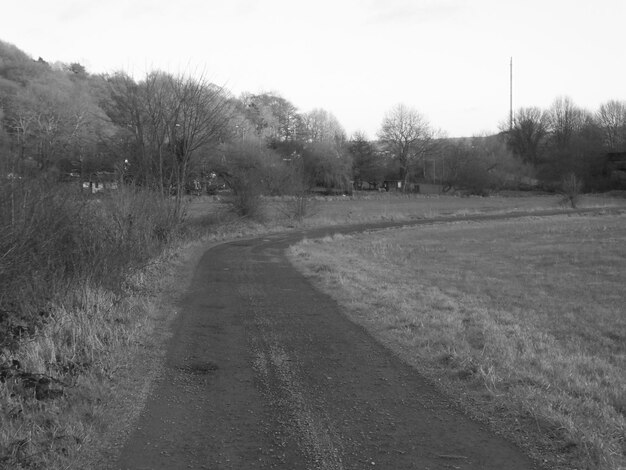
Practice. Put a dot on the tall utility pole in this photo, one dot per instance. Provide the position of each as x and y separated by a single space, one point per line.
511 95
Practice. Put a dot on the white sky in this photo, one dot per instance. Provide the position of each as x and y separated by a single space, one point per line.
356 58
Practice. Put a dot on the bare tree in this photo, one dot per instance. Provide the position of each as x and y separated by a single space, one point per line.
367 165
124 106
275 118
158 108
321 126
408 136
482 164
566 120
200 115
612 119
20 120
49 119
528 133
169 120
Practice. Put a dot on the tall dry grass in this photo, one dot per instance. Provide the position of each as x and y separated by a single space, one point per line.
51 236
70 317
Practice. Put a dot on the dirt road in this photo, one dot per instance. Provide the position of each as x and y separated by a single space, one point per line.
265 372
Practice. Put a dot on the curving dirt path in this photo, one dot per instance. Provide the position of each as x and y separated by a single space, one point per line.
265 372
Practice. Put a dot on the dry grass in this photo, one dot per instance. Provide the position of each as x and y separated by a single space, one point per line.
376 207
84 353
77 281
103 350
522 321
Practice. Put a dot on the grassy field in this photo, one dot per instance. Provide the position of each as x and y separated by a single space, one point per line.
374 207
522 321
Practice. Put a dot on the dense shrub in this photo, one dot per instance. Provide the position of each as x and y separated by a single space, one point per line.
571 189
250 170
53 238
298 206
245 199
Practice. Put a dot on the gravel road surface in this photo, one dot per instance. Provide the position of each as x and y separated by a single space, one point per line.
265 372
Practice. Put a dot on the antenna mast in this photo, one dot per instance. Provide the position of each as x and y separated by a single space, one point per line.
511 95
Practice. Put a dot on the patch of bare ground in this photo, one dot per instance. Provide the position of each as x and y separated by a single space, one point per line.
521 321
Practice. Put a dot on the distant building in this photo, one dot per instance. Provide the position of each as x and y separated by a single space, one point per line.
410 187
100 181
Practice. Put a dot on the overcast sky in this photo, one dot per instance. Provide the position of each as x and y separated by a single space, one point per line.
355 58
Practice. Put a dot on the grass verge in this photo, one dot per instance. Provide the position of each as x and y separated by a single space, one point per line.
75 308
378 207
521 321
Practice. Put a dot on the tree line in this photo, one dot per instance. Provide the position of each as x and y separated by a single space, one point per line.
176 133
568 139
537 149
163 132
